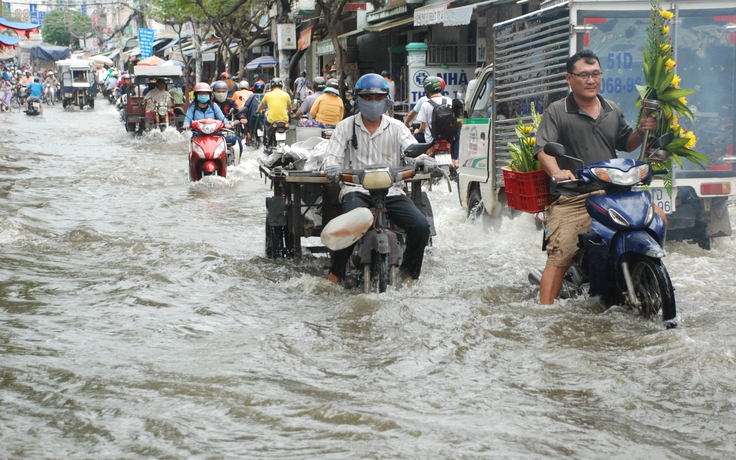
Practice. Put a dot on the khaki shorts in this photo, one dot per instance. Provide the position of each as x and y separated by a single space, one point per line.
564 219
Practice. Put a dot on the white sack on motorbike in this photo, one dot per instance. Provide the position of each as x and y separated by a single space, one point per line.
344 230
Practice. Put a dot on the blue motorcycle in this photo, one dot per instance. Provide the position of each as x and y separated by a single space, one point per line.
622 262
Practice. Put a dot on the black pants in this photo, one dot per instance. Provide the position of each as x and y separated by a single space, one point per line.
402 212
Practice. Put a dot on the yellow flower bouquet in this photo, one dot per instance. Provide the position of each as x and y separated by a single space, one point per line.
522 154
663 90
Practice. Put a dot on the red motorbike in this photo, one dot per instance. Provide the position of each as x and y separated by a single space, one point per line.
207 149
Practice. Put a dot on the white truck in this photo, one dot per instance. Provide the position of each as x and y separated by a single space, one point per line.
529 54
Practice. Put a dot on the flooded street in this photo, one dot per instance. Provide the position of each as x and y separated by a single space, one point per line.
140 318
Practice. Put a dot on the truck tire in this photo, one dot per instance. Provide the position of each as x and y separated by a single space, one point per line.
475 205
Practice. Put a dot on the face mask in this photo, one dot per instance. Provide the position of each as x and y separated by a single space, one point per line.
372 110
203 98
220 97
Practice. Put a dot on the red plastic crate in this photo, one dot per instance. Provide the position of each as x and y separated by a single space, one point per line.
527 191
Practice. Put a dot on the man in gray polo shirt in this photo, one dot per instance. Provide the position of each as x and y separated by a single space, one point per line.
592 129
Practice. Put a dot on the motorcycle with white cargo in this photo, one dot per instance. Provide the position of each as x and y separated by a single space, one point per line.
622 262
380 244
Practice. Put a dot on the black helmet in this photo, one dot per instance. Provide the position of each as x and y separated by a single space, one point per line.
304 74
319 83
333 83
371 83
276 81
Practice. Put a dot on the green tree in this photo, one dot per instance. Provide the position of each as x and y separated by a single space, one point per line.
65 28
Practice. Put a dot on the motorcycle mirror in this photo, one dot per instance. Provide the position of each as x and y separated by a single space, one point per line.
554 149
414 150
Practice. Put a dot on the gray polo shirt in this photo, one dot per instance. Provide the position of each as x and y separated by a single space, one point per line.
584 137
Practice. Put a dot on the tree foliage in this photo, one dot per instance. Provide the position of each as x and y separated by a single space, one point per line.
63 28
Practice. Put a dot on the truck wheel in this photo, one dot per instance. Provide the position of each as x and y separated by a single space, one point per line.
653 289
475 205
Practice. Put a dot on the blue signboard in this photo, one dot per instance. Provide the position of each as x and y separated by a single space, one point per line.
41 17
145 41
34 13
84 9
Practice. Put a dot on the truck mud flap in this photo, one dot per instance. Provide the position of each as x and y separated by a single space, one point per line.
276 211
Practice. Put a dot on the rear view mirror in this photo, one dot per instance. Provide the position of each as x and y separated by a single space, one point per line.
414 150
664 140
554 149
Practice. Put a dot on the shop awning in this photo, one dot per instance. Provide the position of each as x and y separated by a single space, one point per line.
461 15
389 25
258 42
170 44
8 42
430 14
20 28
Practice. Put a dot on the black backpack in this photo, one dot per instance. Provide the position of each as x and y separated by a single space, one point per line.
444 122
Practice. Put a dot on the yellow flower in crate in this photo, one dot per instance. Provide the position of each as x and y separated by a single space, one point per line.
675 81
669 63
665 30
522 154
666 14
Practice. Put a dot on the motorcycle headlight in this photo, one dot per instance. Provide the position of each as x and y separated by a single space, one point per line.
162 111
376 179
198 150
207 128
616 176
221 147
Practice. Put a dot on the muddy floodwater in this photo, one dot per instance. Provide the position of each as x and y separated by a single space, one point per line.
140 318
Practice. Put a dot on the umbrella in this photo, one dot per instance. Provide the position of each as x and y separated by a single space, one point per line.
102 59
171 63
264 62
151 61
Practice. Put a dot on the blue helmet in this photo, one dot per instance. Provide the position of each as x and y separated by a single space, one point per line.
371 83
259 86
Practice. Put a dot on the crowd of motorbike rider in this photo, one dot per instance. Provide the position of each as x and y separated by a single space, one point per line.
19 82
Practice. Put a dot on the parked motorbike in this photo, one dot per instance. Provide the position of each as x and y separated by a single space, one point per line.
380 245
622 263
207 149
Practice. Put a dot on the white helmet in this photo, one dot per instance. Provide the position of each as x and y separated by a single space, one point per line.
243 84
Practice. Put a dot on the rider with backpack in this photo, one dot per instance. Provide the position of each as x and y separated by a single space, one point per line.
437 117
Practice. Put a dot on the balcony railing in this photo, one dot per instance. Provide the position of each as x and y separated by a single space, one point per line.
451 54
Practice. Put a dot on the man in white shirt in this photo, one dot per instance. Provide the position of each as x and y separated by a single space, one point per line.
433 88
371 138
157 96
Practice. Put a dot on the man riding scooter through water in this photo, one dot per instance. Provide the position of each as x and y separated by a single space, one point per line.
35 91
371 138
279 108
158 96
590 128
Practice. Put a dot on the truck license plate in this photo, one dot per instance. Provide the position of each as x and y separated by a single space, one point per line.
280 136
443 158
662 199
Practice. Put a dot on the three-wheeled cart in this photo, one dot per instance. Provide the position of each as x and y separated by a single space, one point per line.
134 107
78 85
303 202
